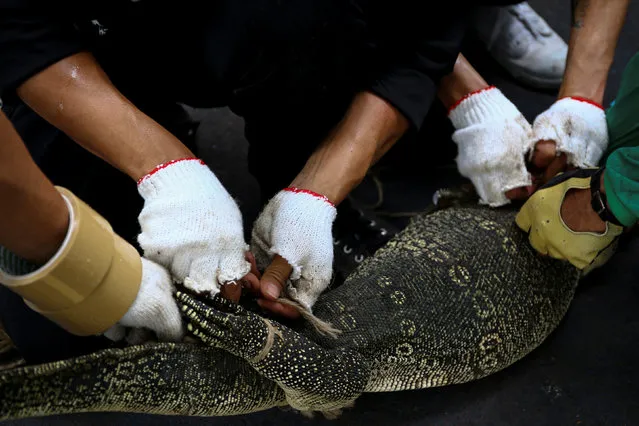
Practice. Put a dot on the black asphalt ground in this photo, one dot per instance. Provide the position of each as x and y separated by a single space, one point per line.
586 373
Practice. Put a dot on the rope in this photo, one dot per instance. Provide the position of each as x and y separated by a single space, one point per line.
322 327
270 340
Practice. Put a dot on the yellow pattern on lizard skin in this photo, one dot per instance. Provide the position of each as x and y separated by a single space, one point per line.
456 296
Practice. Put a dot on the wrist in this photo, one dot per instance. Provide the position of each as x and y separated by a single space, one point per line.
151 161
320 197
585 82
583 99
463 81
369 128
36 221
488 104
159 167
332 188
180 177
336 168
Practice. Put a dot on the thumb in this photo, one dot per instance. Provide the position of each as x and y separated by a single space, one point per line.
275 277
544 153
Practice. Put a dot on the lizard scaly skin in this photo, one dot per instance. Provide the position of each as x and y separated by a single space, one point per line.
456 296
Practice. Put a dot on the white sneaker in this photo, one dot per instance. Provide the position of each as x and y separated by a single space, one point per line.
522 42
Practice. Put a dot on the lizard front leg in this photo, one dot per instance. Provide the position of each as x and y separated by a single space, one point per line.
313 378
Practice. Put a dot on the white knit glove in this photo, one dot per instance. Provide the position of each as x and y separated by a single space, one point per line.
192 226
298 225
492 137
154 307
579 128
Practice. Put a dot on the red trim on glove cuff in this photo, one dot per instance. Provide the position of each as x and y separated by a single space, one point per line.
456 104
309 192
586 100
167 164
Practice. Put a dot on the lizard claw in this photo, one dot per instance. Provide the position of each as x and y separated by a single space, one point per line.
241 333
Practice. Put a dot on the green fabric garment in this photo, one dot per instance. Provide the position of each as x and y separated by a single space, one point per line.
621 179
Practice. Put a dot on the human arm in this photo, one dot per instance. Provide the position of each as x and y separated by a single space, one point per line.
492 136
565 219
596 25
593 40
413 56
35 223
461 82
617 186
77 97
369 128
188 215
35 218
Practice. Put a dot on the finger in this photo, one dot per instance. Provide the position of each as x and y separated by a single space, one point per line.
251 283
557 166
275 277
544 153
279 309
250 258
200 316
232 290
521 193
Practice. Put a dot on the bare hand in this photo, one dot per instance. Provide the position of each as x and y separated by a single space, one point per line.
268 287
544 165
546 162
577 213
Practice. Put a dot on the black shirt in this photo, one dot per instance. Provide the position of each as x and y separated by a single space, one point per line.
201 52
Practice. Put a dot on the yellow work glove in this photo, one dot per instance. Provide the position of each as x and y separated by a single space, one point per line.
541 218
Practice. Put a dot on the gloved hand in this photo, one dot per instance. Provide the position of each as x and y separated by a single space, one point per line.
578 127
492 137
154 307
541 217
297 225
192 226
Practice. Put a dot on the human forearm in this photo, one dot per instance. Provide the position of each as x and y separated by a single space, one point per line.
34 216
593 40
77 97
370 127
463 81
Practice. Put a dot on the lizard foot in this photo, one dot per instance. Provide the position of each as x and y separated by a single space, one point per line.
226 325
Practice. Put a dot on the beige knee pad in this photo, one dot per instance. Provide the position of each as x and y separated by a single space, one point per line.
92 280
